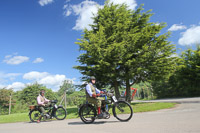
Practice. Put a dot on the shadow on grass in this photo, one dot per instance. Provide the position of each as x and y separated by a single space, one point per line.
137 104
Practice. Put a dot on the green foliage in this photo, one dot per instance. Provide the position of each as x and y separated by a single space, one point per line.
29 94
124 48
67 86
144 90
185 81
76 98
5 99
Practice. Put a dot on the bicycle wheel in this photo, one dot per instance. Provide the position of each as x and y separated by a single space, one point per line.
122 110
60 113
34 115
87 113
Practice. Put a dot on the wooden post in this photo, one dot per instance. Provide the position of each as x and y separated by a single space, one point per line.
10 104
62 99
65 100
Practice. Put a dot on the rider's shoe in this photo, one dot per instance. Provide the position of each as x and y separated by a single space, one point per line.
47 116
100 116
38 121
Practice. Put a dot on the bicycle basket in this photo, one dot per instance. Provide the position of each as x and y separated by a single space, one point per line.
31 107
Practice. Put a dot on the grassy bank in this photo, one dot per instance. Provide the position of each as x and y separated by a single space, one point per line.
73 111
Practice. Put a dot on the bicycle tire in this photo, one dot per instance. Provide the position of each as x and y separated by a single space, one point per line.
60 113
87 113
34 115
123 111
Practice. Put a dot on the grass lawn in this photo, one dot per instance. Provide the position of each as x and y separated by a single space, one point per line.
72 112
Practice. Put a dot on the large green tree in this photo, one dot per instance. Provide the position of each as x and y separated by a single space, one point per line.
124 48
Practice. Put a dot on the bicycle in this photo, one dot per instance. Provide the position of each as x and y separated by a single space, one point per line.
53 111
121 110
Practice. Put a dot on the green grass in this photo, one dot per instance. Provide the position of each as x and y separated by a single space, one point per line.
72 112
145 107
19 117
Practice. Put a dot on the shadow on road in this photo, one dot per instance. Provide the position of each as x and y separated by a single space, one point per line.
97 122
40 121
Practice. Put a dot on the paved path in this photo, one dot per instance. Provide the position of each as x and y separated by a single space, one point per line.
185 118
174 100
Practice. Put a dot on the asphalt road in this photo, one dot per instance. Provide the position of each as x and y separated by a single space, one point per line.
184 118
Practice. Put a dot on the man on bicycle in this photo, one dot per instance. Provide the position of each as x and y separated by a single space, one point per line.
42 102
92 95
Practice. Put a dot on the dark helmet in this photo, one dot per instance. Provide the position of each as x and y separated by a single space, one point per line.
92 78
42 91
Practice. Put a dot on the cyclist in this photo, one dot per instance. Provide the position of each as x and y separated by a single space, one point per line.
42 102
92 95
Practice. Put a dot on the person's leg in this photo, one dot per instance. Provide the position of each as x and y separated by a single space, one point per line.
97 102
42 110
103 105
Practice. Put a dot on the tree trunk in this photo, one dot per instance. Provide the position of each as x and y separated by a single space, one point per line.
128 92
117 94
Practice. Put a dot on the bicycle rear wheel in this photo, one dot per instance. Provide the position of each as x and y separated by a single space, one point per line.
34 115
123 111
87 113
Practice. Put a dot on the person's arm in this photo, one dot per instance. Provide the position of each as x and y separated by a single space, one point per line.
97 91
88 89
46 100
39 101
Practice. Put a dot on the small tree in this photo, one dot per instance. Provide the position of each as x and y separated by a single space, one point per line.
5 99
67 86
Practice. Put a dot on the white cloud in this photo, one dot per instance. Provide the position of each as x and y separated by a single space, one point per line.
45 2
54 81
49 80
16 86
34 75
38 60
1 86
176 27
86 9
5 77
8 76
15 60
190 36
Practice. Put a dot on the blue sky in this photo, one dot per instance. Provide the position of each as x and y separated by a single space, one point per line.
37 37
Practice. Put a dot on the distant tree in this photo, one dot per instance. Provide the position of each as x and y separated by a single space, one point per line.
67 86
5 99
185 81
30 92
124 48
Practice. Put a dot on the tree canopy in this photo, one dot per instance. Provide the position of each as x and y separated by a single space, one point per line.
30 92
124 48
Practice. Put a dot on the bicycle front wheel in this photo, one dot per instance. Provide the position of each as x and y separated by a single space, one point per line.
123 111
60 113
